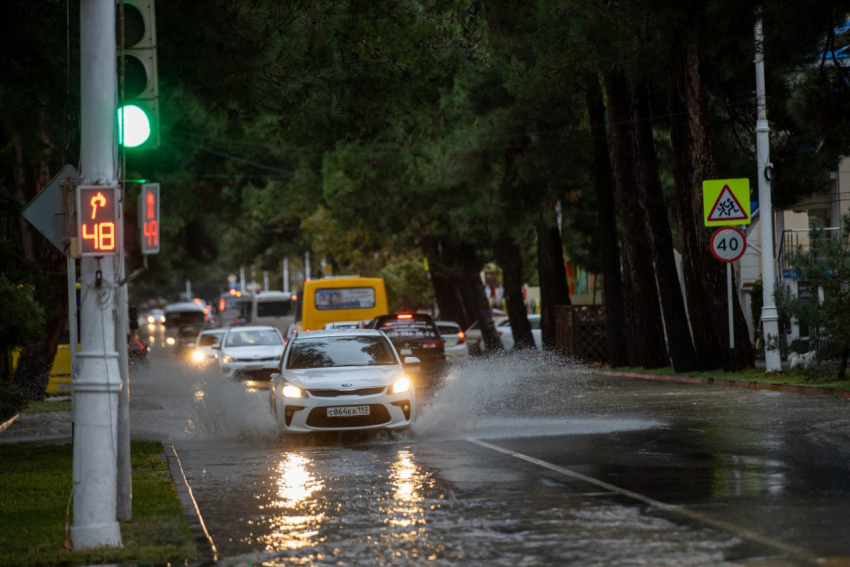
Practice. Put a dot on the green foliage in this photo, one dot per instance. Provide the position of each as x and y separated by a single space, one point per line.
408 286
12 399
825 265
23 318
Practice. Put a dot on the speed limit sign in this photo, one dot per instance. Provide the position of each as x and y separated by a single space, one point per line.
728 244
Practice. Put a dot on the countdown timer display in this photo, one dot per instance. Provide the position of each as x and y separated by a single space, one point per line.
149 218
97 220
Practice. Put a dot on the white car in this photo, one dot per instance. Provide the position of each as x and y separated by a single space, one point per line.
156 316
343 325
204 348
474 340
506 334
250 353
342 380
455 340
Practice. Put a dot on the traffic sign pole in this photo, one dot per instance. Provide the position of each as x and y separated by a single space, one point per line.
728 244
730 315
95 389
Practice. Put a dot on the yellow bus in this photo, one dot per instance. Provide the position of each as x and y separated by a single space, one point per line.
338 299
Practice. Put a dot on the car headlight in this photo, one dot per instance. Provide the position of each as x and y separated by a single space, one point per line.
162 319
150 319
198 356
401 386
226 359
290 391
170 340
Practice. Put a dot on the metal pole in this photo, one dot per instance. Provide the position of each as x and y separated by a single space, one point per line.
769 315
122 330
188 290
96 388
74 340
242 286
265 280
286 275
306 266
730 316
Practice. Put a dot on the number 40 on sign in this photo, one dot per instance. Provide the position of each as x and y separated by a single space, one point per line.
728 244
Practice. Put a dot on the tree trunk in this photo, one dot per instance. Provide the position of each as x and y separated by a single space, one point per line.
472 267
842 368
445 281
646 327
606 215
709 299
31 174
554 289
667 276
510 260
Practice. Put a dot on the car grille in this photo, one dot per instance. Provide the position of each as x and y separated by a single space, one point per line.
266 359
337 393
378 415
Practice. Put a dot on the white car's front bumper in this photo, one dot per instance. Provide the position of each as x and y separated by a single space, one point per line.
240 369
306 415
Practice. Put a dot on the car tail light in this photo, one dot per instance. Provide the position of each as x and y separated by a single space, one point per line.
405 316
432 344
221 305
461 338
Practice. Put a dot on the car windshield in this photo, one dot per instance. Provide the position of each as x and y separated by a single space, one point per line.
331 352
410 327
448 329
252 338
274 308
209 339
180 318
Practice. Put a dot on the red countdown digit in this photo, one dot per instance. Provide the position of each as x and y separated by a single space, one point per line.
98 220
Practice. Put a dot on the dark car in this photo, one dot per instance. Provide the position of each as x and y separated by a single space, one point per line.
415 334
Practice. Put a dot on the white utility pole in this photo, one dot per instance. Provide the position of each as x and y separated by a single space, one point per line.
242 286
122 330
769 315
286 275
306 266
188 290
265 280
96 388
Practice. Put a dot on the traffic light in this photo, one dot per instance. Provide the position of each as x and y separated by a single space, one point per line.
97 219
138 115
149 218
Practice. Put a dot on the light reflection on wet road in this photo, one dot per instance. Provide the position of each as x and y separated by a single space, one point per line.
773 463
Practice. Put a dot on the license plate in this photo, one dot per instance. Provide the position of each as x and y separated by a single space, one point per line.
349 411
406 351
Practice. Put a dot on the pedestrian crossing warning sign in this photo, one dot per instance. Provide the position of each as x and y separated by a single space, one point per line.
726 202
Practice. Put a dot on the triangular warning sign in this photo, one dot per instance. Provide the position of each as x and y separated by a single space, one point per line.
727 207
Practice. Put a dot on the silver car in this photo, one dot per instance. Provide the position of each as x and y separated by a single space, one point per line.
342 380
250 353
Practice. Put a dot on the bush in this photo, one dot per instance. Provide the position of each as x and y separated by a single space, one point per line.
12 399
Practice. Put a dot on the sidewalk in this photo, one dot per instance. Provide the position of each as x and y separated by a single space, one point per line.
737 380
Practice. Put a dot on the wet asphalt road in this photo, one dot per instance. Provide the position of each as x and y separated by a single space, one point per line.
517 462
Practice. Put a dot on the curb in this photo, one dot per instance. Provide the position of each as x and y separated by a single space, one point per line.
6 424
190 506
792 388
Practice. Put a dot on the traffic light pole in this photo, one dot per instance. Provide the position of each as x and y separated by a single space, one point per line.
769 314
96 388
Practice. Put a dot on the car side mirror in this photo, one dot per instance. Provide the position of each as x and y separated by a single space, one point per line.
412 362
274 376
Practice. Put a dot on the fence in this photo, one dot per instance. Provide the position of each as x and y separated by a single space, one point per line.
581 331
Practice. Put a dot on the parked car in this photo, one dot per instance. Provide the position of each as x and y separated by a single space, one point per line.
473 335
456 346
342 380
250 353
415 334
506 333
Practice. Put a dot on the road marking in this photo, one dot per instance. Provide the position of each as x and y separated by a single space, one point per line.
720 524
195 503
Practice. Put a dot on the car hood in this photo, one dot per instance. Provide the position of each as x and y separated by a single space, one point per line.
254 351
335 378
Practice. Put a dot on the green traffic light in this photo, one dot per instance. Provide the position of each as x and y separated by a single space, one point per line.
134 126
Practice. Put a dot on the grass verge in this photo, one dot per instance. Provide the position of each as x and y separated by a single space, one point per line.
35 481
43 406
816 379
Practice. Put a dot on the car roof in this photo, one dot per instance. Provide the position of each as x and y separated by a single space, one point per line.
183 306
218 331
339 333
252 328
272 295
